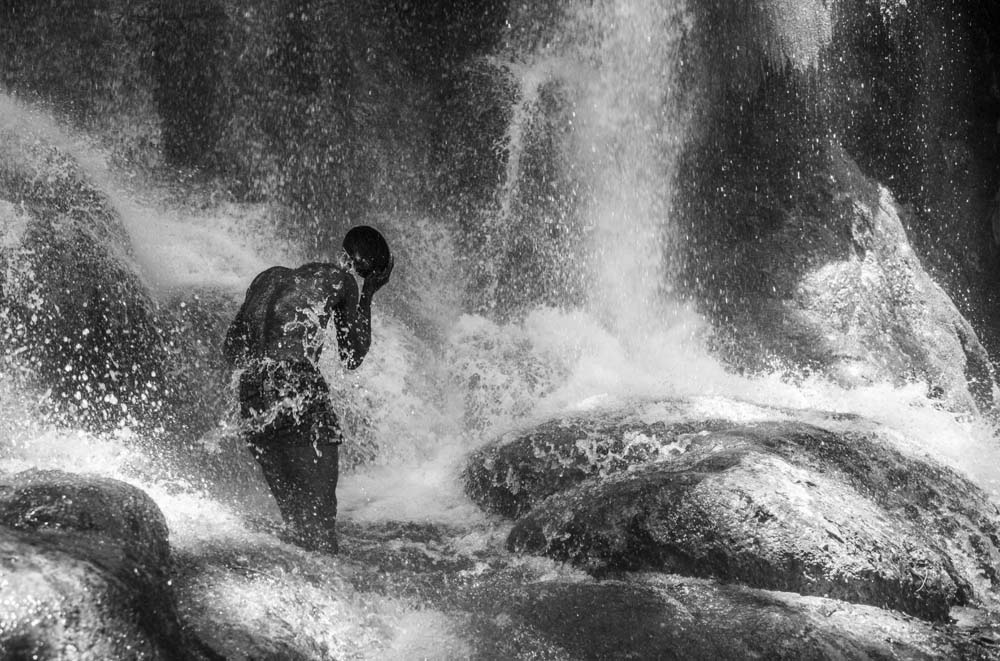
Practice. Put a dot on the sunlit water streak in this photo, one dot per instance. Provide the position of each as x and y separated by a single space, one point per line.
235 241
615 65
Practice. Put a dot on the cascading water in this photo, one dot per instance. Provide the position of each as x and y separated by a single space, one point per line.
627 127
424 398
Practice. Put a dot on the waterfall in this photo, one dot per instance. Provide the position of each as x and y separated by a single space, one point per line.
608 76
581 311
615 70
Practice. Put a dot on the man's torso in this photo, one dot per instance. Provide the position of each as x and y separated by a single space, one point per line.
291 311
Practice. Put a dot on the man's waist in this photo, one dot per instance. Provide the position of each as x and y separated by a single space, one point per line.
293 363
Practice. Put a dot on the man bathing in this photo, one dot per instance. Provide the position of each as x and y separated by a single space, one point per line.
277 338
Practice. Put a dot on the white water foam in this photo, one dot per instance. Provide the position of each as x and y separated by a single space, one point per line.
426 406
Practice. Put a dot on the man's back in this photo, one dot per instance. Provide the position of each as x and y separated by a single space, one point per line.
286 310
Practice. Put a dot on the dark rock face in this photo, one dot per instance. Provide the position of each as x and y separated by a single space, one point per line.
512 478
799 256
853 301
74 317
778 505
915 103
196 388
668 617
85 565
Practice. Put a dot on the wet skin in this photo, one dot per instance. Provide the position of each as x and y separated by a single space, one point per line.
280 329
286 309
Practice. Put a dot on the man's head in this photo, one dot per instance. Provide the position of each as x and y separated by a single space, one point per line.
368 249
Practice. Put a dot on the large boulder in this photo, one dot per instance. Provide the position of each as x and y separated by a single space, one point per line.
85 571
829 139
75 319
523 468
852 301
670 617
773 504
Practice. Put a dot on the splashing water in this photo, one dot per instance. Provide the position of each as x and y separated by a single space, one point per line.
422 400
172 247
627 122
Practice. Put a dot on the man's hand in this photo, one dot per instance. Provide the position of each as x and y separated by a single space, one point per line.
377 279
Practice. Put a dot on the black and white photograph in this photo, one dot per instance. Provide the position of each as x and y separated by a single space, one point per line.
489 330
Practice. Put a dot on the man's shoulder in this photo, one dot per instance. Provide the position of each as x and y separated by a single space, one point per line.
329 273
313 274
321 268
273 273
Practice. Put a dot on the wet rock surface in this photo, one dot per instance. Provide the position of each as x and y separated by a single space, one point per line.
92 554
84 571
771 504
511 478
510 606
670 617
76 319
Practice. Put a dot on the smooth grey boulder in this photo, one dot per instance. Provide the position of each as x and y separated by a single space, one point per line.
671 617
513 475
773 504
84 571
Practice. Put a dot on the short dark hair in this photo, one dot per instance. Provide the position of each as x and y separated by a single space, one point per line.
368 243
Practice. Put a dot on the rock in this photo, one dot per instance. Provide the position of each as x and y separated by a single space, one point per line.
525 466
914 121
811 171
829 281
124 520
85 571
773 504
669 617
196 386
57 605
876 314
266 600
74 317
749 518
512 477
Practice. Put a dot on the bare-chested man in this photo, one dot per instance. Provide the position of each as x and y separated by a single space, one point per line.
277 338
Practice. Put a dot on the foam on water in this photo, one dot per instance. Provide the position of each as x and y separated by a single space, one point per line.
418 404
428 490
555 362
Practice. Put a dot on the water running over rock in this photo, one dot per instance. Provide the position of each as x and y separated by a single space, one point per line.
664 186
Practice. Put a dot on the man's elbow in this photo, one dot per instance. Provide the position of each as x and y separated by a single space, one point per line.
353 363
352 359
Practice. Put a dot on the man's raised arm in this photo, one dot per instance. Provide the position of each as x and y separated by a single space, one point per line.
354 330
